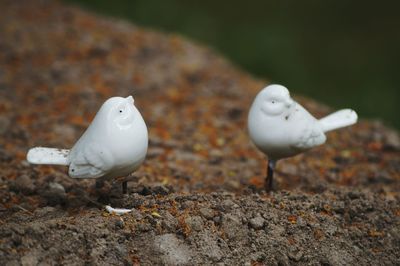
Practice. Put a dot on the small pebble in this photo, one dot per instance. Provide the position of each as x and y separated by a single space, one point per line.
207 213
295 255
24 184
195 223
257 222
55 194
120 224
161 190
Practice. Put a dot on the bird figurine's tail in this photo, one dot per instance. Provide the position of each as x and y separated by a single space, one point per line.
341 118
41 155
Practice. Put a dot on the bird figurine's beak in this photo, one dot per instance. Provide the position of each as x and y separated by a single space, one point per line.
289 103
130 99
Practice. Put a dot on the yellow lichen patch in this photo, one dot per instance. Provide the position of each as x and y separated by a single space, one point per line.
292 219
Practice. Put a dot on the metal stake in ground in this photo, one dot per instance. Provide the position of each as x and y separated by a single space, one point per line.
269 179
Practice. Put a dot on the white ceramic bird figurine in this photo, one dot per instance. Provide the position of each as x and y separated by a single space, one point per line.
280 127
114 144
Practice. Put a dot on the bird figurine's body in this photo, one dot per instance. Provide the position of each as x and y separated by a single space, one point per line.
114 144
280 127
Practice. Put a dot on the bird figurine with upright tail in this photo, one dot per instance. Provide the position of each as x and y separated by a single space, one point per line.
280 127
114 145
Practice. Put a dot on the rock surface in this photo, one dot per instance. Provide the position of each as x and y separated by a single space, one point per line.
198 199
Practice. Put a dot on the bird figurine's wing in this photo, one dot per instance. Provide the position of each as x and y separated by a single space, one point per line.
308 136
91 161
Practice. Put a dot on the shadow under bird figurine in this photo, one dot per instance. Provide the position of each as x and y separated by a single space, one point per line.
114 145
280 127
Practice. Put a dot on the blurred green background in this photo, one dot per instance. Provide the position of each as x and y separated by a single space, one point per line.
342 53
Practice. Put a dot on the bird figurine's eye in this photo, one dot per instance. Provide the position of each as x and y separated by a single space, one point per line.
124 114
272 107
121 109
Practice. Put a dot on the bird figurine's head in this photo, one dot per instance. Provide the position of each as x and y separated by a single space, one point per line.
118 117
120 125
274 100
119 111
269 117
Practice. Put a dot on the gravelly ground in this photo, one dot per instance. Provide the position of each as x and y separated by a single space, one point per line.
198 198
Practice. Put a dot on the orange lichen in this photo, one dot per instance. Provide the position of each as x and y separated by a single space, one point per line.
292 219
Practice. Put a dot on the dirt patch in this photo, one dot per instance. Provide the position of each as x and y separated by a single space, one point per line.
332 228
198 199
